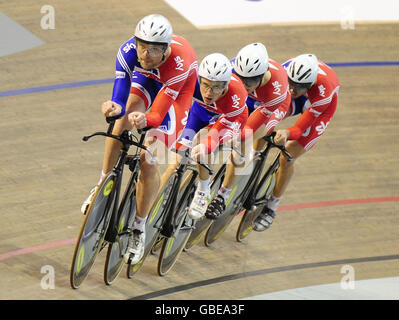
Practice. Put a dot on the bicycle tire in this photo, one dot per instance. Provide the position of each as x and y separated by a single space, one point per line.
173 246
92 232
114 259
152 231
246 224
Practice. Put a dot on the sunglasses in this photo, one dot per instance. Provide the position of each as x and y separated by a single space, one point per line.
152 50
299 87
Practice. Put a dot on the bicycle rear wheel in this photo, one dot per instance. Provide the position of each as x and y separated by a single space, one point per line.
153 224
246 224
92 233
114 260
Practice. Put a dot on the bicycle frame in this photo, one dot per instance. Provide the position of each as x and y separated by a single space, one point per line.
167 228
249 194
165 220
112 231
262 200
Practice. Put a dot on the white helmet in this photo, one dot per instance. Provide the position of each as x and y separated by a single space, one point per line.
215 67
303 69
252 60
154 28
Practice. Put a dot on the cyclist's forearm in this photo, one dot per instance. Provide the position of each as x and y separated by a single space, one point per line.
158 110
120 93
305 120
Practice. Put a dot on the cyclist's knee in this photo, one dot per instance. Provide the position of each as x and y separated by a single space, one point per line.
148 165
284 163
237 159
295 149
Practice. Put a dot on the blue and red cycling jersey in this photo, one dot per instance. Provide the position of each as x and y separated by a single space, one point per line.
225 117
176 74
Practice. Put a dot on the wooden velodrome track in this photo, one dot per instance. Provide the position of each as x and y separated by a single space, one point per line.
341 207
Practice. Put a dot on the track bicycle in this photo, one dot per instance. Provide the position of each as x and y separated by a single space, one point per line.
250 194
168 224
202 224
105 221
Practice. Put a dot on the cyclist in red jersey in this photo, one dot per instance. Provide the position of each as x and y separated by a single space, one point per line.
219 104
315 80
268 101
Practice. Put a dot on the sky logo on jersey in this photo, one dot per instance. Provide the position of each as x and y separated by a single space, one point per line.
129 46
322 127
277 87
179 63
236 101
322 90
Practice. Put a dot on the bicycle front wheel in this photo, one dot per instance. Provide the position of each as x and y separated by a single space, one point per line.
154 221
246 224
173 246
183 225
91 237
114 260
200 227
203 224
233 207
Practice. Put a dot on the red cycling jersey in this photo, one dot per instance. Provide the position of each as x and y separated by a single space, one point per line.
272 101
323 96
234 114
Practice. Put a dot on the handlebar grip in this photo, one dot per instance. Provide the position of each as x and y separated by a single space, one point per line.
111 119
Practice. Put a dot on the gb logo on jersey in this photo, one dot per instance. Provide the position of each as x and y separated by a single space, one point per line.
179 63
236 101
322 90
277 87
128 47
321 128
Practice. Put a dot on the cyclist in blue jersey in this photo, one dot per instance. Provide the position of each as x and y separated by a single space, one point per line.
155 70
